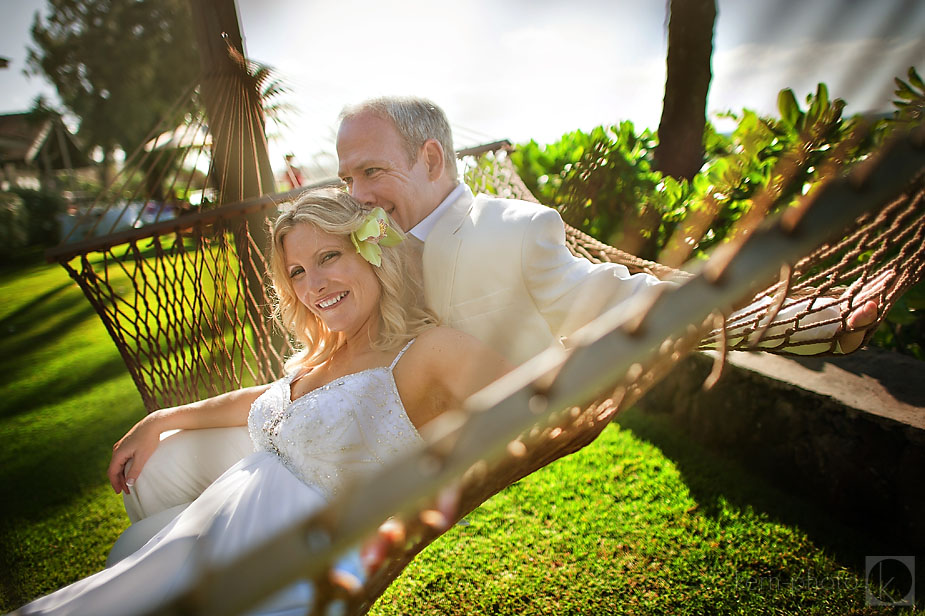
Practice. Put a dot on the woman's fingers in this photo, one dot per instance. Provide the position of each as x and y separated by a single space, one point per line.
129 456
134 467
116 470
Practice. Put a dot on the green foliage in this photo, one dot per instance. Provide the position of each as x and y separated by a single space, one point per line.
42 209
903 329
603 181
542 167
118 65
28 218
783 155
13 226
911 95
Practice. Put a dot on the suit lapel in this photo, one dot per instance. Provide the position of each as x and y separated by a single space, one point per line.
441 251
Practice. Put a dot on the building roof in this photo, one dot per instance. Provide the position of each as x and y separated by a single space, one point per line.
27 140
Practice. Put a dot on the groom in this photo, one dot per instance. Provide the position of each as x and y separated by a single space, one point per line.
495 268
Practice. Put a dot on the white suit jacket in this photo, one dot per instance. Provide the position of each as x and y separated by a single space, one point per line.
498 269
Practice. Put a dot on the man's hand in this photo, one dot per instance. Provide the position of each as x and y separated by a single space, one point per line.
392 533
858 322
862 317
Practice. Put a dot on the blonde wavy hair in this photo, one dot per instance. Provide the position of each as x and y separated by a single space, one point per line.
402 313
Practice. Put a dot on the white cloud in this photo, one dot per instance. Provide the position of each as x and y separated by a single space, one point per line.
515 70
537 68
860 72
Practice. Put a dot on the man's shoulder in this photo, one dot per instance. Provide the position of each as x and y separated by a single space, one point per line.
491 207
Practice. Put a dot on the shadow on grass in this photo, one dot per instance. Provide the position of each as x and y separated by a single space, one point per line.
43 323
67 463
13 318
713 478
48 473
44 305
21 367
50 525
29 257
60 387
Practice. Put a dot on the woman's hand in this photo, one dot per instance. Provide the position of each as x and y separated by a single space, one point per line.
221 411
133 451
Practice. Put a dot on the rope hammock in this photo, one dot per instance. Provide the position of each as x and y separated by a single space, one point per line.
183 295
526 422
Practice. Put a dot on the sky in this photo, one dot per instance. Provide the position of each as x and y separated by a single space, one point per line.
535 69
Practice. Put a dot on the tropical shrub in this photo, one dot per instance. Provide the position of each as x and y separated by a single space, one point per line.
13 226
603 182
41 209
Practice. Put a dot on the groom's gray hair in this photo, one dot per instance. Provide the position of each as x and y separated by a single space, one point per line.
416 119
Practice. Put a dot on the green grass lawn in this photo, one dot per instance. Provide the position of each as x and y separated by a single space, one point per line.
640 522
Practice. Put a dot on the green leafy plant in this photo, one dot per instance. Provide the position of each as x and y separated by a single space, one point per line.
41 210
13 226
603 182
911 97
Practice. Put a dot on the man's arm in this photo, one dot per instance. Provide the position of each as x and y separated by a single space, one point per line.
572 291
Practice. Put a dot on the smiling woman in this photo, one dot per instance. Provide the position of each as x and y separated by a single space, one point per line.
313 262
333 281
373 370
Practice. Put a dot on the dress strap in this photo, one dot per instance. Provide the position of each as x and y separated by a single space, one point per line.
400 353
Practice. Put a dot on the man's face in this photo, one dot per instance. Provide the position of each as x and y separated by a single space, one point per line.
374 164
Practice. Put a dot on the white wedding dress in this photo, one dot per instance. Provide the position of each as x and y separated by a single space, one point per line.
306 450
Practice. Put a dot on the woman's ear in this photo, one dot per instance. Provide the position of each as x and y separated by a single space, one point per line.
433 158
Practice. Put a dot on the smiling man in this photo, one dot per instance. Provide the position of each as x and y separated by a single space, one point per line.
497 269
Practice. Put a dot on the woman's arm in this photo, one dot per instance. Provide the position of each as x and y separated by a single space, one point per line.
225 410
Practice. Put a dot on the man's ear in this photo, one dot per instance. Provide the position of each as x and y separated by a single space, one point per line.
432 153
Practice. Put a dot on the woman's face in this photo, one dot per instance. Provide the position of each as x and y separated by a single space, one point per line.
331 279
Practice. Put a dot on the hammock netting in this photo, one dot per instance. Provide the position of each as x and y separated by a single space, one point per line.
181 288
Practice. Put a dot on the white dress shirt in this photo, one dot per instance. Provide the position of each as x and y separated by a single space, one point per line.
423 228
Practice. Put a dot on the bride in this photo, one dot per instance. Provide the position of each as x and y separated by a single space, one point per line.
373 369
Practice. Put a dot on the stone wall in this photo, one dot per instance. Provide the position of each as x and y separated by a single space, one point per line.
846 432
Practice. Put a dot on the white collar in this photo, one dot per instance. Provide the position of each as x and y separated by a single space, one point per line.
423 228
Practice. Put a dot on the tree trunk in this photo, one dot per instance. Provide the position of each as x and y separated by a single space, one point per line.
690 46
105 170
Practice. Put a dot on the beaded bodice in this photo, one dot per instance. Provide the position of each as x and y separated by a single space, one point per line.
337 432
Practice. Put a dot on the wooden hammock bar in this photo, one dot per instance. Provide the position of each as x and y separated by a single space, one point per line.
263 203
495 146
